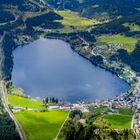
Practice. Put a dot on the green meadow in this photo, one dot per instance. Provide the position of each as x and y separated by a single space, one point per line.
125 42
126 111
133 27
117 121
24 102
16 90
100 110
120 120
73 19
41 125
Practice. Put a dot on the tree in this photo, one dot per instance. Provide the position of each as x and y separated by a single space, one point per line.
75 113
53 100
46 99
56 101
97 59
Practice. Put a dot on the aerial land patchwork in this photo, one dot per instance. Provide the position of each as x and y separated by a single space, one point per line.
40 125
37 122
121 119
72 19
25 102
124 42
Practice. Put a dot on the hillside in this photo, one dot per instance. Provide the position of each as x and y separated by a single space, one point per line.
99 9
119 17
20 22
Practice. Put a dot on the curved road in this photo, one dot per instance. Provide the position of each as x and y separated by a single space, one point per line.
6 106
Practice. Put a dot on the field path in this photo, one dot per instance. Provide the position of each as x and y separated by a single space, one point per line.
62 126
132 122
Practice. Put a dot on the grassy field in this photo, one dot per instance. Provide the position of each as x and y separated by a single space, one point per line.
24 102
126 111
66 29
127 43
16 90
121 120
97 114
41 125
100 110
118 121
133 27
73 19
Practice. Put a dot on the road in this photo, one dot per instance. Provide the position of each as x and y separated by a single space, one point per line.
132 122
6 106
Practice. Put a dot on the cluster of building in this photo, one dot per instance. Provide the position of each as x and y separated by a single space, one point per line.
123 101
67 106
18 109
136 122
136 116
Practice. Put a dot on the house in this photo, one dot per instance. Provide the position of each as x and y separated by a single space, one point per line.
66 107
18 109
82 121
53 107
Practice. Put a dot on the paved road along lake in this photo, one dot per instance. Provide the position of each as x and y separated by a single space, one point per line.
50 68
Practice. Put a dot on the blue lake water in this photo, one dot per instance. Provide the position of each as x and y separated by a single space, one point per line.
50 68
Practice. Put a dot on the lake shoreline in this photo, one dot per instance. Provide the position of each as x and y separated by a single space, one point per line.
85 58
97 65
30 39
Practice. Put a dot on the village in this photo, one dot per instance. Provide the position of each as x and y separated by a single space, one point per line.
130 99
122 101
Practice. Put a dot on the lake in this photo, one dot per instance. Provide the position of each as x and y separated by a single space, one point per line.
50 68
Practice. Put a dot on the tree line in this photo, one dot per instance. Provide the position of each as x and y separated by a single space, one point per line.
50 100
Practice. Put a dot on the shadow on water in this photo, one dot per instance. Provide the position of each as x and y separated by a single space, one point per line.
49 68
